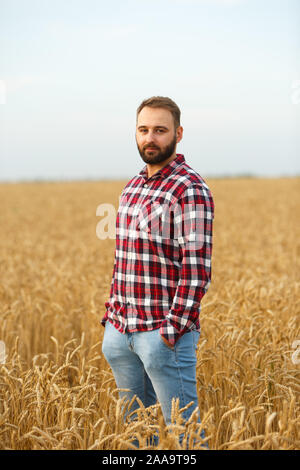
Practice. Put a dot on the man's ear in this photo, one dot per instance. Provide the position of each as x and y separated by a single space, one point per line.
179 133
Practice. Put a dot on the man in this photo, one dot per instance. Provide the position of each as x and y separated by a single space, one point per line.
162 268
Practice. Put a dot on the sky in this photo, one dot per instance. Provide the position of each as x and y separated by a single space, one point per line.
73 72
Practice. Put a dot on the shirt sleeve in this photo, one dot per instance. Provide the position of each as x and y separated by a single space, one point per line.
193 220
107 304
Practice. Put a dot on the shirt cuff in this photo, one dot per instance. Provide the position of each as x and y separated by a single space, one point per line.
104 319
170 332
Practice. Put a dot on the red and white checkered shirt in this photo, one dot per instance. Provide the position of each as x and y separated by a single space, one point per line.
162 265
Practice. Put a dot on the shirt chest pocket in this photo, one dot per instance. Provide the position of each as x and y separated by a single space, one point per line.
156 220
150 218
141 217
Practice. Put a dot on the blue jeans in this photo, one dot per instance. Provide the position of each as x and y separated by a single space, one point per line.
142 362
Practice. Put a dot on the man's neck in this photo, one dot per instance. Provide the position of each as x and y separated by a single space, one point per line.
151 169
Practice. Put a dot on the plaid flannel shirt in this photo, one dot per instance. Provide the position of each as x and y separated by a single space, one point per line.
162 264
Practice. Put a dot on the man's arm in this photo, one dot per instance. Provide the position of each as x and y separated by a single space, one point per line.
195 217
107 303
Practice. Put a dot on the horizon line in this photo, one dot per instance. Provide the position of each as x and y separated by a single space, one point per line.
245 175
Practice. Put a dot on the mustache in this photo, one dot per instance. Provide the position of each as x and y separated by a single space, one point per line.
151 146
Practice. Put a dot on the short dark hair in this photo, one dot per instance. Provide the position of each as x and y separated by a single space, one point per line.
162 102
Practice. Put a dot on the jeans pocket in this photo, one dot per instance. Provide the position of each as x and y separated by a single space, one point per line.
162 341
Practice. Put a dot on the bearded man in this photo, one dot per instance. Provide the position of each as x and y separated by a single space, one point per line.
162 269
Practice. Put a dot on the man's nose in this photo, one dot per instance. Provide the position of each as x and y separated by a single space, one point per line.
150 137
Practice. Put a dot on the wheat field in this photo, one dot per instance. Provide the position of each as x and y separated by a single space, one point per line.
56 389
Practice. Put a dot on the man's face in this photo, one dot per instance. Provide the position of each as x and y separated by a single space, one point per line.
156 136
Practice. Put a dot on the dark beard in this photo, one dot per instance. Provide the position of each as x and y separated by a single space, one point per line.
160 156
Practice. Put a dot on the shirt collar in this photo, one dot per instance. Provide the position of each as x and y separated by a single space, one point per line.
165 170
